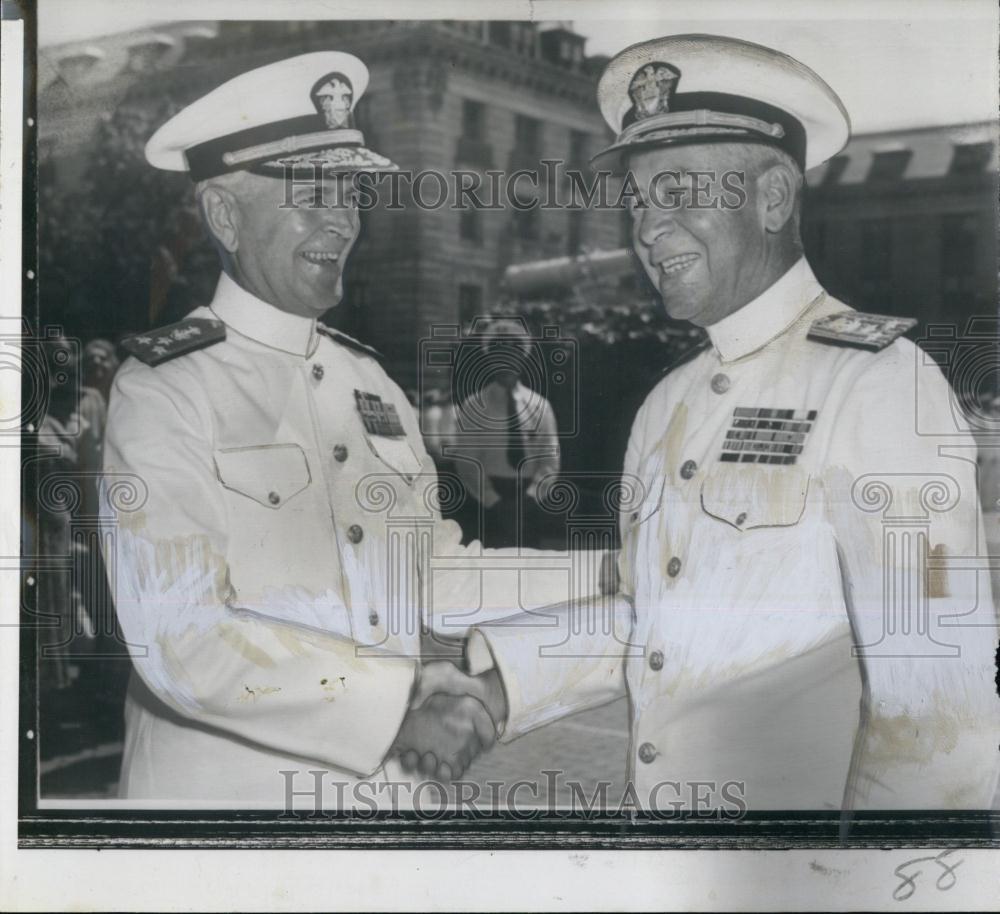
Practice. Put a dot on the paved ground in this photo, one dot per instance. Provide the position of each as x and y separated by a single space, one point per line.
588 748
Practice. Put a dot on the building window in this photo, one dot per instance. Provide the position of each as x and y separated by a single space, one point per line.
523 38
970 158
527 151
470 303
889 165
473 119
472 148
562 47
527 135
578 150
470 225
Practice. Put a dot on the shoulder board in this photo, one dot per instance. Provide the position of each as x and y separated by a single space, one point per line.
166 343
348 341
854 328
688 355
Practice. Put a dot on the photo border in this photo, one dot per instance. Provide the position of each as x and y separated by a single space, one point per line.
218 829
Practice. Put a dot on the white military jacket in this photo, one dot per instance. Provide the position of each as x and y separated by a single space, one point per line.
811 621
274 548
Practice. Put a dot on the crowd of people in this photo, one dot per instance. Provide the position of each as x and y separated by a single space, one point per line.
82 662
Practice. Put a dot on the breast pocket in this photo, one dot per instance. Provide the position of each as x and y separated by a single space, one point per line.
281 549
270 474
754 497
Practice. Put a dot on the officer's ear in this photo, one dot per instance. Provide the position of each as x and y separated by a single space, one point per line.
221 211
778 192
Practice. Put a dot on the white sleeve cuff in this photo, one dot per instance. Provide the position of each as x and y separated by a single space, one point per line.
478 655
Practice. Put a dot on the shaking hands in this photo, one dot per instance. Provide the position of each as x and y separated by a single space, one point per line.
451 720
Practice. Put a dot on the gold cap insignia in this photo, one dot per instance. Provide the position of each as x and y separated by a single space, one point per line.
651 89
333 96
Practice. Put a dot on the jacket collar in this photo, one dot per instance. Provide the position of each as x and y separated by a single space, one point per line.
768 316
251 317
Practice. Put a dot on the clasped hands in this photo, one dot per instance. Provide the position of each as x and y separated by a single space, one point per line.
453 717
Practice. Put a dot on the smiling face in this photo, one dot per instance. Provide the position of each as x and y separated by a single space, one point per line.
99 363
706 261
505 353
290 256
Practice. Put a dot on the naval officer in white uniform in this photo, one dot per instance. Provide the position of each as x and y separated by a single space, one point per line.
277 547
805 618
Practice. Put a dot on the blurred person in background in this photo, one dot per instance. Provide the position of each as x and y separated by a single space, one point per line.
434 422
505 444
60 605
100 362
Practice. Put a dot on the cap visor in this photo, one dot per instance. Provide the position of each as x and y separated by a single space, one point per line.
616 152
338 160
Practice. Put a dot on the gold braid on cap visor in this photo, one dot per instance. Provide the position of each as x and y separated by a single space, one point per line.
699 118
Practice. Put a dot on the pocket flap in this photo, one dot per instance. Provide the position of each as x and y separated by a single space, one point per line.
396 454
270 474
755 496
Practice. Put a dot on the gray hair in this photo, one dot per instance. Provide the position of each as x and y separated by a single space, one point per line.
756 158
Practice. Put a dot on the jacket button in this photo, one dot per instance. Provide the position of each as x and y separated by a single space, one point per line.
656 661
688 469
647 752
318 371
273 497
674 567
373 618
741 518
720 383
355 534
340 453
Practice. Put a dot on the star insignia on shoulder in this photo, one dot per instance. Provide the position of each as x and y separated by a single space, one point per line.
165 343
854 328
348 341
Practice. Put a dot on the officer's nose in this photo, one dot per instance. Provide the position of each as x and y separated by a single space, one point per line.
656 222
341 221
